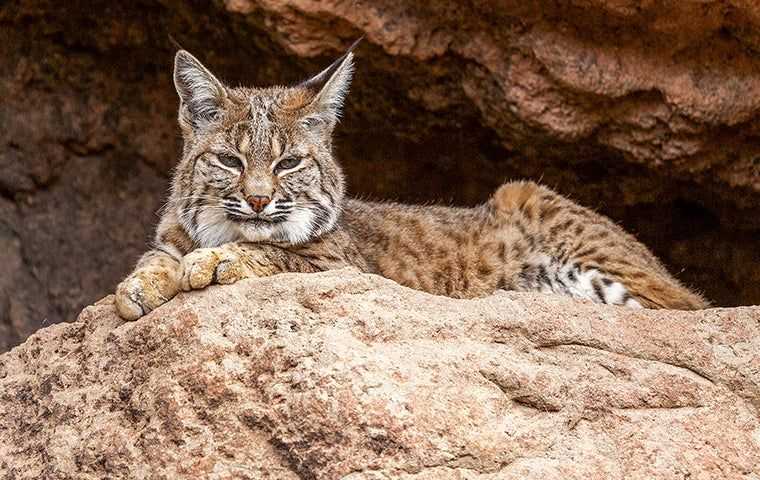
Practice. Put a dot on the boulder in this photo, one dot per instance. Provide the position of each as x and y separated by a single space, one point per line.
342 375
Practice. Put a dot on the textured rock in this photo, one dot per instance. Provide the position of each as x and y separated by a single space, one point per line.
590 75
647 111
342 375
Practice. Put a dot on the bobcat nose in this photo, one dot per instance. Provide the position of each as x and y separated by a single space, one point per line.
258 202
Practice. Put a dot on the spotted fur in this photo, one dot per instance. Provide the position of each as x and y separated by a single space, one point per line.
244 144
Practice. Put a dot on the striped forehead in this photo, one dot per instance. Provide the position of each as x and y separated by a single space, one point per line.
259 138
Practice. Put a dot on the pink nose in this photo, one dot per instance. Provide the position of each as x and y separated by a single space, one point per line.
258 202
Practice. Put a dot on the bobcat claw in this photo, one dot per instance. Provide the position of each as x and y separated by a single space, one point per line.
204 266
142 292
128 299
228 271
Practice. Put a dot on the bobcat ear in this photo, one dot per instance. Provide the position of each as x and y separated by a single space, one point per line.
201 94
330 87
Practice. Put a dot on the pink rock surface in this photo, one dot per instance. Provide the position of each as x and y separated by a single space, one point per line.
342 375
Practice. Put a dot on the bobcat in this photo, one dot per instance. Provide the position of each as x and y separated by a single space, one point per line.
258 192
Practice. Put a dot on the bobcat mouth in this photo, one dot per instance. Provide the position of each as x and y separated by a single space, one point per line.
255 221
234 213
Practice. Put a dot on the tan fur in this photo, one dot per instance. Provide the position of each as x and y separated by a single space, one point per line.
525 238
472 252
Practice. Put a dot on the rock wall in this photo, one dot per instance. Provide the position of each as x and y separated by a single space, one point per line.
646 111
342 375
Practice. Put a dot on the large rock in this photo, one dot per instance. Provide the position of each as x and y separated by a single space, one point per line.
343 375
647 111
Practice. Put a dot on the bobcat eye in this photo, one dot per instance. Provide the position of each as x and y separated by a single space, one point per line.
230 161
287 163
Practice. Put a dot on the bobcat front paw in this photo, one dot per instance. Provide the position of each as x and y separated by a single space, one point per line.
204 266
143 291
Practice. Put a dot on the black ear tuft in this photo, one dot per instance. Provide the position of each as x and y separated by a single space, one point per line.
330 86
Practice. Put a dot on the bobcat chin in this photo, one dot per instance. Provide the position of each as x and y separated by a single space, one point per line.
258 192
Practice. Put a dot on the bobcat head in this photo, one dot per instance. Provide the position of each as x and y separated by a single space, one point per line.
257 163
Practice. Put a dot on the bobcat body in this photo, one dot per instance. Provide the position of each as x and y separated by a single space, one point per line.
258 192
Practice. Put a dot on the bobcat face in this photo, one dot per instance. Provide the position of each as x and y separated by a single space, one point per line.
257 163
